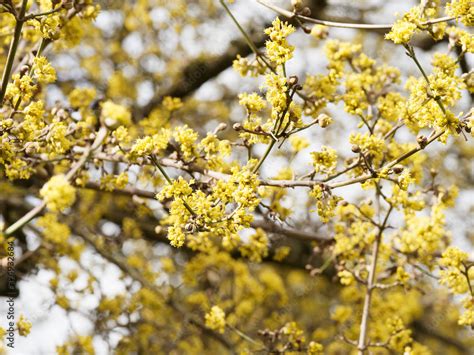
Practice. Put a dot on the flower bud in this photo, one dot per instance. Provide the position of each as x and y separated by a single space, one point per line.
422 141
306 11
31 147
319 31
397 169
24 70
293 80
111 123
355 148
324 120
237 126
297 4
7 123
221 127
190 227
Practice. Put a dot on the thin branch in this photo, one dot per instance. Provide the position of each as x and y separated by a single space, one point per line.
283 183
12 51
362 344
360 26
101 134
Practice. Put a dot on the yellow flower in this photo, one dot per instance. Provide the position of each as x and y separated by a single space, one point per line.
257 247
252 102
276 91
58 193
402 276
115 115
401 32
319 31
345 277
179 188
298 143
324 161
315 348
467 318
82 97
186 137
326 203
215 319
172 103
24 326
463 9
294 333
281 253
21 86
278 49
43 70
453 257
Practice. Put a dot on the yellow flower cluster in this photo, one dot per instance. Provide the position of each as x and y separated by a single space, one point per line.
411 22
147 145
322 88
457 272
276 95
23 325
467 318
252 102
112 182
424 235
58 193
428 103
215 319
454 269
463 9
22 86
43 70
298 143
178 189
324 161
246 67
278 49
353 232
214 150
115 115
257 246
338 54
186 137
401 32
368 143
82 97
326 202
172 103
55 232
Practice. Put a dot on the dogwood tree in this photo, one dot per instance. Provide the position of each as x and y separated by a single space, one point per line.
261 177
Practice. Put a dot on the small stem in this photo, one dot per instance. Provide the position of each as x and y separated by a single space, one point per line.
244 336
246 36
40 14
43 44
12 51
362 344
160 168
265 155
25 219
360 26
168 179
411 53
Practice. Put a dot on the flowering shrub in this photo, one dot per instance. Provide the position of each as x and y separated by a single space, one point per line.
307 213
